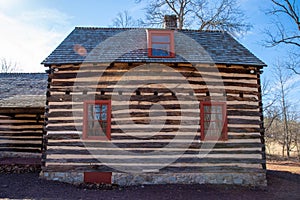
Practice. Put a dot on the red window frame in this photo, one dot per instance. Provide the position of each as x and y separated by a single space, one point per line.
224 133
170 33
86 119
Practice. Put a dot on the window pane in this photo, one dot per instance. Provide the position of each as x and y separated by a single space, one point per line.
216 109
161 38
159 52
97 120
97 108
97 128
207 117
165 47
207 109
104 108
213 125
103 126
160 49
104 116
215 117
213 109
97 116
93 128
220 125
212 134
91 112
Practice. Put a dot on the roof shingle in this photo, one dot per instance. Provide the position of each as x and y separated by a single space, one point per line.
23 89
130 45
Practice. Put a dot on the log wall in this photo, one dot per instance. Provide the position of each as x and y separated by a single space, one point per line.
70 85
21 131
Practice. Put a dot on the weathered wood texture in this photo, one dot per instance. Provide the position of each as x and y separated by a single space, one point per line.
21 130
153 110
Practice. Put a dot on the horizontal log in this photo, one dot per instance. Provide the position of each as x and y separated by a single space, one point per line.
149 75
108 73
244 130
151 89
164 136
62 136
186 169
21 133
16 124
243 113
112 82
196 137
65 106
23 110
21 138
81 151
20 128
244 121
148 130
212 169
17 118
159 160
23 145
154 122
64 128
242 106
22 150
194 145
115 130
143 113
149 98
180 67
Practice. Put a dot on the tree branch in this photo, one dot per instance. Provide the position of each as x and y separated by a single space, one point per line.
285 36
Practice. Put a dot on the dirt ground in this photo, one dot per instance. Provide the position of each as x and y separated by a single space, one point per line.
281 185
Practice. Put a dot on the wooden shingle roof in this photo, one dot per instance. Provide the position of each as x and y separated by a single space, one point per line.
130 45
23 89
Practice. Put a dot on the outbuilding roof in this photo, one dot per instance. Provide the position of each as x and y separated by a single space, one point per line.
86 44
23 89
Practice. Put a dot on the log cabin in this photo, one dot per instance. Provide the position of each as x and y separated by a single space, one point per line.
132 106
22 103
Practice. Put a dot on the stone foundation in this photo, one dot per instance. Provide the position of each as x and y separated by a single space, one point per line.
68 177
248 179
129 179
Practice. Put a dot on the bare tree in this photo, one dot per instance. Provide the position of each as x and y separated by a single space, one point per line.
124 20
7 66
294 62
279 115
294 125
283 35
284 14
222 15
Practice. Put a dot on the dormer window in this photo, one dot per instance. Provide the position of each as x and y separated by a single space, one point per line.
161 43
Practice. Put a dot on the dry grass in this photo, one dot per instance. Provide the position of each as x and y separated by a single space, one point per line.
278 163
287 166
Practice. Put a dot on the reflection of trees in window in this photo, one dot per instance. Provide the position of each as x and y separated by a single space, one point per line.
97 122
213 121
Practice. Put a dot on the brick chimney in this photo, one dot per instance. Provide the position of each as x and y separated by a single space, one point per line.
170 22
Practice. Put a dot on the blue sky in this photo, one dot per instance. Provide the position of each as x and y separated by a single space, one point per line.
31 29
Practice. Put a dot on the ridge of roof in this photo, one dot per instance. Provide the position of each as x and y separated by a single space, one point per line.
140 28
22 73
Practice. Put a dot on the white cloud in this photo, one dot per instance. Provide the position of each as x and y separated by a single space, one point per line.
7 4
28 38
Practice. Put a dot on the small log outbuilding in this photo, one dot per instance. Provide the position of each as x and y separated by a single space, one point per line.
153 106
22 108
